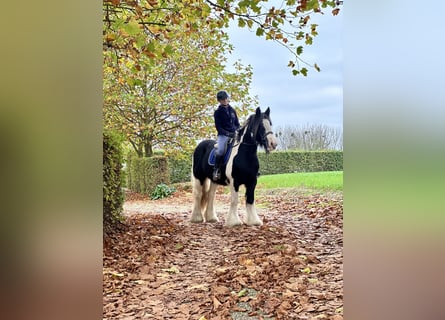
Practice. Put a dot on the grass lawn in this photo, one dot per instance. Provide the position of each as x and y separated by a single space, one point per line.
328 180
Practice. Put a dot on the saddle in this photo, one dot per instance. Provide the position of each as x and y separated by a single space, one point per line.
227 153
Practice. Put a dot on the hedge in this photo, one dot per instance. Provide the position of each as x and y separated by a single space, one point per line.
300 161
179 169
144 174
113 196
273 163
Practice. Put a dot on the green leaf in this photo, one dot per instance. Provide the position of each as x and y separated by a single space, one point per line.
242 5
308 40
295 72
316 67
242 293
241 23
205 12
168 49
151 46
312 4
132 28
304 72
255 8
259 32
300 35
299 50
306 270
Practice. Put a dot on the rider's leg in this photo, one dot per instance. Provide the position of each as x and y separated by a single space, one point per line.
219 156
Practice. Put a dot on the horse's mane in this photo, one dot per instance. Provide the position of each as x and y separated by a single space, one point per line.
250 123
244 126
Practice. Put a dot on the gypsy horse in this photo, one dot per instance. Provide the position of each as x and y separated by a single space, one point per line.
241 169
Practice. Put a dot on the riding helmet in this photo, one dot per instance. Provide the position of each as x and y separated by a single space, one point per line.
221 95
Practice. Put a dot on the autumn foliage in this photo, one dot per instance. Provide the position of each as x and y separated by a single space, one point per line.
163 267
164 61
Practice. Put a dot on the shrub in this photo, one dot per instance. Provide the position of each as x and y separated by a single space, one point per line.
113 196
162 191
300 161
144 174
180 168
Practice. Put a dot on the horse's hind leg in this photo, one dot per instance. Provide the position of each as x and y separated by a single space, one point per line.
233 218
252 216
210 213
199 197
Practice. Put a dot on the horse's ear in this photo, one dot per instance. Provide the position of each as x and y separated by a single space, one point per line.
257 112
267 112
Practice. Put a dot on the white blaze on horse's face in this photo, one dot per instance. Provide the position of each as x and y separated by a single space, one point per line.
270 137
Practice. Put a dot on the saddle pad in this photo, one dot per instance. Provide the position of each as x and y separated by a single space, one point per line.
226 155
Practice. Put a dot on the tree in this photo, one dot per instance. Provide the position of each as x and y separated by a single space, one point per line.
129 23
169 102
311 137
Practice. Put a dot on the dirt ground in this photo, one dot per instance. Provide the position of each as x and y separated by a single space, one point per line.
161 266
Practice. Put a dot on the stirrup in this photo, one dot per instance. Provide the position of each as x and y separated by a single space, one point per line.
216 175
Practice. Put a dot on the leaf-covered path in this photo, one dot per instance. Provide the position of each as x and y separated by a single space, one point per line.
160 266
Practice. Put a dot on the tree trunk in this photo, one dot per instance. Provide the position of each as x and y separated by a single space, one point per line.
148 148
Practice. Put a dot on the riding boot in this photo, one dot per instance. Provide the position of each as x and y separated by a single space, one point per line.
216 169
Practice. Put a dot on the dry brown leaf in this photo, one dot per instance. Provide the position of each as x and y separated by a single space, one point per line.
216 303
216 261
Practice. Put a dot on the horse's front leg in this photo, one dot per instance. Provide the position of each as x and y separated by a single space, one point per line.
210 213
199 200
233 218
252 216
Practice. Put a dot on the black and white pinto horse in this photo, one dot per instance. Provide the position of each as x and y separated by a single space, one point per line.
241 169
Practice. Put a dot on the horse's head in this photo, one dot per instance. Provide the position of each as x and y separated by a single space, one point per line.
262 130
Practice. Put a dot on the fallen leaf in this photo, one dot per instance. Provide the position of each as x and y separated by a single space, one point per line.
206 266
198 286
139 281
242 292
117 274
172 269
306 270
216 303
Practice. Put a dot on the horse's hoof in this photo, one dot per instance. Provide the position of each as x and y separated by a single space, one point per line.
258 224
236 224
196 220
213 220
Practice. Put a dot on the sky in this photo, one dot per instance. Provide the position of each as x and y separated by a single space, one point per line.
296 100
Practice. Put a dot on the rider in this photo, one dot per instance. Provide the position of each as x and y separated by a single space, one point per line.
226 123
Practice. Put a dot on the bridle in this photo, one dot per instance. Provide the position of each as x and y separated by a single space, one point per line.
266 134
264 140
254 133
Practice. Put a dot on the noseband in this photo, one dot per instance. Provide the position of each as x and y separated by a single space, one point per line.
266 134
264 140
